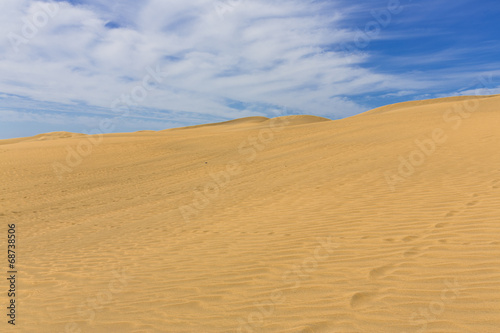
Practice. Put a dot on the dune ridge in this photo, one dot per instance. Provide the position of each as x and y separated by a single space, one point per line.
381 222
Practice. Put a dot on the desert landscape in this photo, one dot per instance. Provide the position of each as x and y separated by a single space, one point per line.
387 221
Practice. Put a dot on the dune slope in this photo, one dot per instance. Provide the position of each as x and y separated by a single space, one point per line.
383 222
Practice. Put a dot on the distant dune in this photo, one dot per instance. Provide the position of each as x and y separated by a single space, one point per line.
241 121
387 221
42 137
258 121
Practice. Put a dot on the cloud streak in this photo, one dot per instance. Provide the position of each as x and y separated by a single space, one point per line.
261 53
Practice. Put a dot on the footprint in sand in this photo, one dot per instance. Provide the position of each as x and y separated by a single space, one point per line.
495 184
411 252
409 238
451 213
440 225
382 271
467 205
362 299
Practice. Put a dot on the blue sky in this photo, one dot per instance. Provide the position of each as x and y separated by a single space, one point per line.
158 64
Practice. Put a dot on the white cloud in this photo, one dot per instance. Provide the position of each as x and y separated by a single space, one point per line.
258 53
400 93
478 91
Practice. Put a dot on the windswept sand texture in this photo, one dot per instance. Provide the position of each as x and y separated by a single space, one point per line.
313 234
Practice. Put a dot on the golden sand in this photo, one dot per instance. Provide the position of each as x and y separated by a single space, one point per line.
388 221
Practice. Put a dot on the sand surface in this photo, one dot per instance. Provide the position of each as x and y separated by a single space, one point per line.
388 221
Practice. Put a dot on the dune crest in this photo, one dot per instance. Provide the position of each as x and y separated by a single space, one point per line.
424 103
298 120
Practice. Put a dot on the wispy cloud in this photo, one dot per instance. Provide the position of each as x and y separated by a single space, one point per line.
261 53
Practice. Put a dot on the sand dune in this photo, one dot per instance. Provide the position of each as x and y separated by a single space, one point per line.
241 121
387 221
